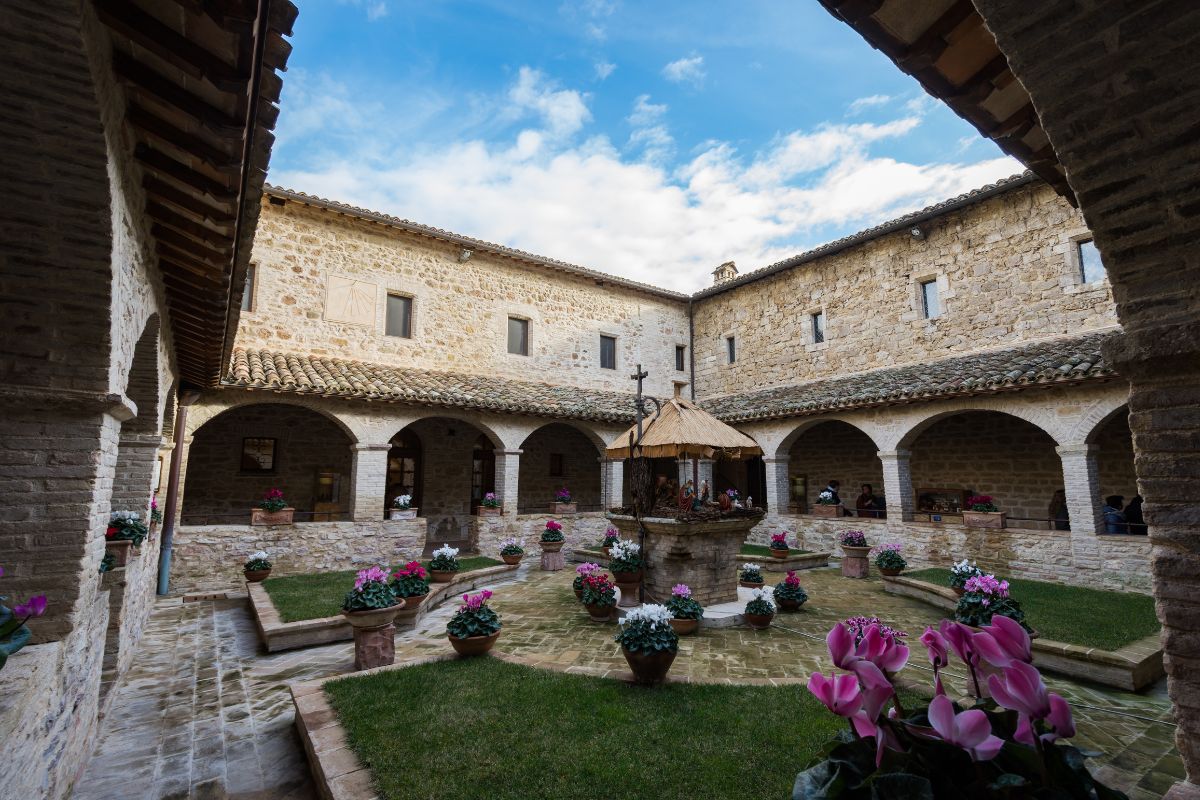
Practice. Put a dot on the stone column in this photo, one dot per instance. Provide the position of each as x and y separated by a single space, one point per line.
184 442
897 486
778 486
368 477
686 472
136 453
508 466
614 483
1081 482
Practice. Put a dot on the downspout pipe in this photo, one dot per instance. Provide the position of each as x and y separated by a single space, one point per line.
691 351
186 398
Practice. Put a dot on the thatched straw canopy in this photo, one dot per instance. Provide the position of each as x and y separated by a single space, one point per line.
681 429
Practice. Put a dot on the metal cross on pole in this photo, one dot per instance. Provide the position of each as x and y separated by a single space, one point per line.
640 405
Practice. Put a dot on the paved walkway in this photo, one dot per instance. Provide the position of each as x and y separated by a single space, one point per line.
205 714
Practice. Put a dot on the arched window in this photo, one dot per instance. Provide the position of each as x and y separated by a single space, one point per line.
404 468
483 470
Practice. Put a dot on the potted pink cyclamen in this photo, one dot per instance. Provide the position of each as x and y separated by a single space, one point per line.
489 506
563 503
272 510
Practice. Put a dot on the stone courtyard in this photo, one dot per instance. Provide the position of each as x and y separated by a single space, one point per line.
206 713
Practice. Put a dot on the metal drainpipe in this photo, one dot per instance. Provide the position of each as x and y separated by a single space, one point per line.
692 350
168 537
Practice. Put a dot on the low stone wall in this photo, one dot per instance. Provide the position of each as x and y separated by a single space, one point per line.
210 557
580 530
1010 552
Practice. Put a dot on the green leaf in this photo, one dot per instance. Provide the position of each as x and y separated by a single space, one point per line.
900 786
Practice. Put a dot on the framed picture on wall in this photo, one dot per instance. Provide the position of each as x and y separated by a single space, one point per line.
258 455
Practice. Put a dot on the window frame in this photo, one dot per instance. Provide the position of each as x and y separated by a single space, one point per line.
557 465
248 289
681 358
608 337
924 298
412 309
526 335
1081 275
816 320
730 349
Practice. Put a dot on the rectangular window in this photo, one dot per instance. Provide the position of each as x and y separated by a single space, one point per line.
730 349
1090 266
680 358
556 465
518 336
931 304
248 290
818 327
399 316
608 352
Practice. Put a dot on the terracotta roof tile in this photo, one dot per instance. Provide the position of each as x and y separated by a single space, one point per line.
1050 362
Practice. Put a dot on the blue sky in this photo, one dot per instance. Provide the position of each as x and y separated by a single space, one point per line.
652 140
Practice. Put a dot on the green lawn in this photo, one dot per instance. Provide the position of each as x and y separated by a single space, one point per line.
1074 614
762 551
320 594
484 728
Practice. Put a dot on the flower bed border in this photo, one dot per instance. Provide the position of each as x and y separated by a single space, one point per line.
792 562
1133 667
335 768
277 635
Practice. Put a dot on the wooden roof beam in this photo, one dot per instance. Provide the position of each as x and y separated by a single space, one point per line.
159 161
192 204
188 245
144 80
185 224
152 125
930 45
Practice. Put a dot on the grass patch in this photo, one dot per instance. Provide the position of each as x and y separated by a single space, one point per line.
1074 614
320 594
762 551
484 728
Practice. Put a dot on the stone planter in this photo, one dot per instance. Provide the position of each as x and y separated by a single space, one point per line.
372 617
649 669
854 562
819 510
402 513
751 584
413 602
488 511
777 553
891 573
256 575
551 547
374 636
789 606
515 559
984 519
758 621
599 613
442 575
685 627
562 508
119 548
473 645
628 583
260 516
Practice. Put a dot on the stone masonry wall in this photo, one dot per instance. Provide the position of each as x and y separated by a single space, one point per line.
447 448
993 454
306 443
835 450
581 469
460 310
210 557
1115 459
580 530
1007 275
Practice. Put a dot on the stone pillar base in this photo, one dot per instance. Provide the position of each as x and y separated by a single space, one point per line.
629 595
553 562
1183 790
374 647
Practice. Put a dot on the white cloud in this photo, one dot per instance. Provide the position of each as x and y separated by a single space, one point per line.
685 70
376 9
604 69
547 189
863 103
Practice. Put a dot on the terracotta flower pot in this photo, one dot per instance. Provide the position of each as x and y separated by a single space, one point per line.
442 575
854 561
413 601
787 605
599 613
486 511
260 516
551 547
958 590
512 559
605 550
256 575
373 617
473 645
649 669
777 553
819 510
562 508
889 572
627 578
119 548
402 513
985 519
758 621
751 585
684 627
579 594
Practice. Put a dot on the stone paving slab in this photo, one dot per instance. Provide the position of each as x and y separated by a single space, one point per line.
206 713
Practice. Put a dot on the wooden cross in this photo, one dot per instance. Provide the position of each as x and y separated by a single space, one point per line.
640 402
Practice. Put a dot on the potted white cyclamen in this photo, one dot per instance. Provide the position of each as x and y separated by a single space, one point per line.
402 508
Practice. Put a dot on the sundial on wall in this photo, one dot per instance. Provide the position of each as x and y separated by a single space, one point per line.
350 300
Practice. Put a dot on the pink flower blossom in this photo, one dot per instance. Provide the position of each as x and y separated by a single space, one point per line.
969 730
583 570
33 607
551 525
369 575
839 693
1020 688
474 602
681 590
1003 642
938 650
792 578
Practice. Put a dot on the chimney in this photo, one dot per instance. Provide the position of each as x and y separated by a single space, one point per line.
724 273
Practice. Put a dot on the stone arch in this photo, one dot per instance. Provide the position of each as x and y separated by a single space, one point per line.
140 437
1038 418
556 454
984 451
308 452
832 448
1112 446
142 381
168 413
785 444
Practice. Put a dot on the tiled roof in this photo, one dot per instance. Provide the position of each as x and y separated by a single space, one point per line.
905 222
1045 363
336 377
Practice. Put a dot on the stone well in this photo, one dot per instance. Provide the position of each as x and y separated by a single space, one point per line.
701 554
